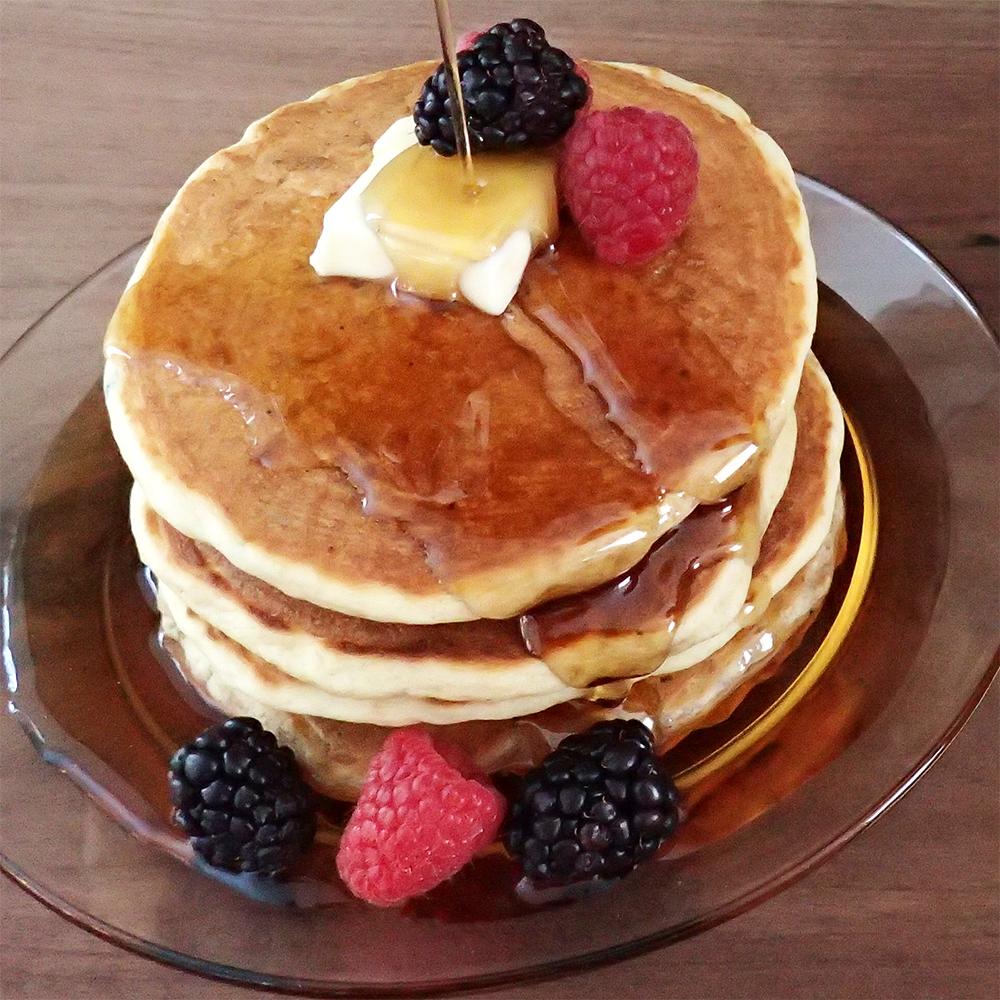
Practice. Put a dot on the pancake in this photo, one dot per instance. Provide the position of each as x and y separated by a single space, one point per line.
262 680
311 661
291 634
403 462
335 754
488 660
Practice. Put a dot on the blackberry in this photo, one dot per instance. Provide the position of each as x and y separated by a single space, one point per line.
519 92
240 798
594 808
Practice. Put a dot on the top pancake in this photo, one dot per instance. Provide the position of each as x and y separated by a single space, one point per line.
501 461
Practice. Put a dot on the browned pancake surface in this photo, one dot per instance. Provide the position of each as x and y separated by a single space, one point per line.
807 486
287 398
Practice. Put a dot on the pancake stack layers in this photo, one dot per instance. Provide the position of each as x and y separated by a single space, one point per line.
620 497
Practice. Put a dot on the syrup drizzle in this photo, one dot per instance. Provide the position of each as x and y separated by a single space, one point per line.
645 601
633 342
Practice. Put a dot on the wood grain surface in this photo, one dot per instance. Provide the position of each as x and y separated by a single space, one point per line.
106 107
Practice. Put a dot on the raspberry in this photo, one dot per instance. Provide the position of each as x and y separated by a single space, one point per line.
629 177
422 815
469 39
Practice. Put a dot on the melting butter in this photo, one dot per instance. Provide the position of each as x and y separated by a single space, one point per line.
412 217
347 247
434 225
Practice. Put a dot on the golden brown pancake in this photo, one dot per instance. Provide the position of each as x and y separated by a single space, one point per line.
499 461
329 664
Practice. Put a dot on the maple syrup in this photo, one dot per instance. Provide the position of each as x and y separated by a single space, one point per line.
433 223
648 598
436 217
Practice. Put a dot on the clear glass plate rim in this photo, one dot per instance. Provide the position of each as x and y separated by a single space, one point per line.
954 285
574 963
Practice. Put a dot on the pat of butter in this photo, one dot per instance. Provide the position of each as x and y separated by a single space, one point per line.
411 217
347 246
491 283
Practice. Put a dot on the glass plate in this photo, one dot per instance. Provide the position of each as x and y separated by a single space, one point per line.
902 653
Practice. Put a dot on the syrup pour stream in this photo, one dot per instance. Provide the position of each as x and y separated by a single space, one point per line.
447 34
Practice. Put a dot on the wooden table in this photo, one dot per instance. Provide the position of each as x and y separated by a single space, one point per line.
108 106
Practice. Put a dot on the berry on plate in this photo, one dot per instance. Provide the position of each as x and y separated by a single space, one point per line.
422 815
519 92
629 177
240 798
599 804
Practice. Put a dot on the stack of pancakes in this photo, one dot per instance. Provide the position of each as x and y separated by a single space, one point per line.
364 510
